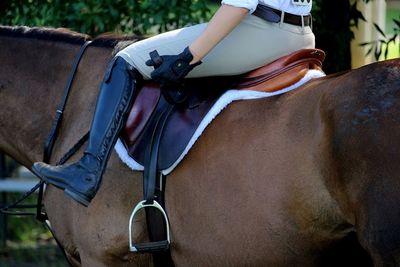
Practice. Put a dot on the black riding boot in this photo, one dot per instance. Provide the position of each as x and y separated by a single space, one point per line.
81 180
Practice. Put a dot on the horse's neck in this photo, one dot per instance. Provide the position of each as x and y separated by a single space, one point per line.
32 78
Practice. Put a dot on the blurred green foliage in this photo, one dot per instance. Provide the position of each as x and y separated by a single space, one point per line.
94 17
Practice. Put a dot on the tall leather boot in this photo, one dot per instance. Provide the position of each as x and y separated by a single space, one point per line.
81 180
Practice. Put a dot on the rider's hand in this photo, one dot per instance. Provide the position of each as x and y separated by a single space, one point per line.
171 69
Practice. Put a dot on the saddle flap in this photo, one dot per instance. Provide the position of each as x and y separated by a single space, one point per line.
179 129
140 113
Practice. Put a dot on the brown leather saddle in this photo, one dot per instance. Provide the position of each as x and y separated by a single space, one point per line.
183 122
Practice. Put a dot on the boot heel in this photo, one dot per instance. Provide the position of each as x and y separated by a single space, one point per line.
77 197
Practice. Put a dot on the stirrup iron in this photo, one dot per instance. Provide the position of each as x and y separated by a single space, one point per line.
149 246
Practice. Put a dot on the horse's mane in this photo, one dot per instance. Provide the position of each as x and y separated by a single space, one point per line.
64 35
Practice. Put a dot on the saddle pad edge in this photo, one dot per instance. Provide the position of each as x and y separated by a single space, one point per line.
125 158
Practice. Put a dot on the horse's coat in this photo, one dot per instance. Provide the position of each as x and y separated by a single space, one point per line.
292 180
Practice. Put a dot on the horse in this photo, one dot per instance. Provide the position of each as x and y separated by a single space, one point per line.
307 178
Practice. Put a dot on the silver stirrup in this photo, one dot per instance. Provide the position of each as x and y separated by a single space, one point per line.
150 246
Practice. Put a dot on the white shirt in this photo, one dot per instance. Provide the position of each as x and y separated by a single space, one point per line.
297 7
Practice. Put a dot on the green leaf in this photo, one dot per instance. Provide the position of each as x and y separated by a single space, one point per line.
379 29
386 52
369 51
377 52
397 22
364 44
393 39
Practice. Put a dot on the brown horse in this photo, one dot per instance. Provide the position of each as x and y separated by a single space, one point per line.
309 178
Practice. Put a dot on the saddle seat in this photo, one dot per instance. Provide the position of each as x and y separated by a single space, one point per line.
183 122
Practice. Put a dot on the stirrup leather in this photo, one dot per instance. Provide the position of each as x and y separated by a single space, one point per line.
153 187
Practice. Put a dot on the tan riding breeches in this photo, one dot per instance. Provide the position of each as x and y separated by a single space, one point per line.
252 44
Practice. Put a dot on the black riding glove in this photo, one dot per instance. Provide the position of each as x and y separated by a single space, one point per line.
171 69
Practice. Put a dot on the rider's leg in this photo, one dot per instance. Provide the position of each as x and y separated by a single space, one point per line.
82 179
